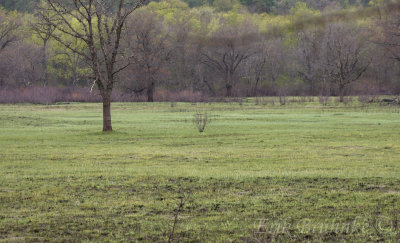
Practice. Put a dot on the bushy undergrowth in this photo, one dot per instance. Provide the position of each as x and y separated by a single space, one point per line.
50 95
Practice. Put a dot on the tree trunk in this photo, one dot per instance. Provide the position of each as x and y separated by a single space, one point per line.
44 63
255 90
150 92
341 93
209 87
107 114
228 90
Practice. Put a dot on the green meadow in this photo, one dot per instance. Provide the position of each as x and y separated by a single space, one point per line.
258 173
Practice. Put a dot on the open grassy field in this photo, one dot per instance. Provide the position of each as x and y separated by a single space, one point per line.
259 173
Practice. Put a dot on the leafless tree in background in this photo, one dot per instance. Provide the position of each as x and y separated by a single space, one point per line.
100 25
147 44
264 68
309 54
391 35
44 30
344 58
183 64
8 35
255 68
230 53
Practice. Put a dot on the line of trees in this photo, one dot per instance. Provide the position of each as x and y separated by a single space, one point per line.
168 47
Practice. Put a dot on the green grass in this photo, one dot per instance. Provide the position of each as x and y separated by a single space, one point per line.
286 170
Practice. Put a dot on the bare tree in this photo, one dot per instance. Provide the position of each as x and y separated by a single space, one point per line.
147 41
267 64
99 24
184 59
391 35
309 51
8 35
255 69
345 55
8 30
229 52
44 30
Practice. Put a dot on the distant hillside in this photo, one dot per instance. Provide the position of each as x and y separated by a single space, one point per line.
270 6
20 5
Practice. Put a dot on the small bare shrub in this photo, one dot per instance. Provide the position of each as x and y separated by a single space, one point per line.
176 215
201 120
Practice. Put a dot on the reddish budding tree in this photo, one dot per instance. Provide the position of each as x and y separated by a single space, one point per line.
99 24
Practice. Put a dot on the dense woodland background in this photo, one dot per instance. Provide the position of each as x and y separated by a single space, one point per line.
196 49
